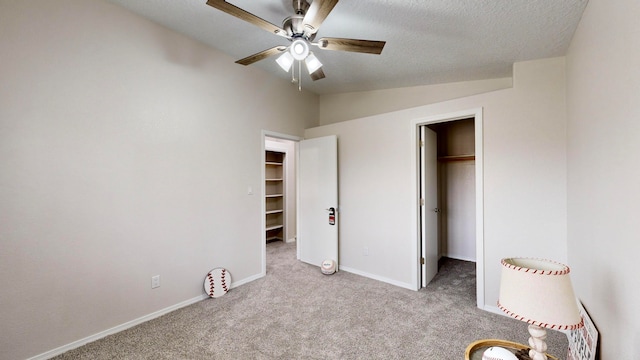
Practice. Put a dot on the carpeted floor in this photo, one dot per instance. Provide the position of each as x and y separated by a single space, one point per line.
295 312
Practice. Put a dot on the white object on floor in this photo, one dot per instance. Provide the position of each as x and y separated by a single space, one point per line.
217 282
328 267
498 353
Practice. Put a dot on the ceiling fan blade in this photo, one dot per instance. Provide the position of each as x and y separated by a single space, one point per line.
261 55
317 75
317 12
361 46
231 9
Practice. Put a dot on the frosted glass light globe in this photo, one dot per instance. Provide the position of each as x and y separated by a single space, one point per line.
299 49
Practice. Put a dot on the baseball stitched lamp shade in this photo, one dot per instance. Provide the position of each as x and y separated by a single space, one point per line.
540 293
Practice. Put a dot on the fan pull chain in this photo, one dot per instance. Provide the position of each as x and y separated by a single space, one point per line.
299 75
293 72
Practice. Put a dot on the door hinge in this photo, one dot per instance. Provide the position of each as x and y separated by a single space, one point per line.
421 261
421 202
421 143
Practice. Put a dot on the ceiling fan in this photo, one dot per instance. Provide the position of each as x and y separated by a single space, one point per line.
300 29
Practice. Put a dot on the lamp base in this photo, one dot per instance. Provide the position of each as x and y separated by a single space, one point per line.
537 343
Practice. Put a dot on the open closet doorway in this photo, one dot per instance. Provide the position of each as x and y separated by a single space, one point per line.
280 190
300 196
449 170
456 189
280 200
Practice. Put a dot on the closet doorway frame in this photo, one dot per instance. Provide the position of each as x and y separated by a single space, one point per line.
476 114
263 203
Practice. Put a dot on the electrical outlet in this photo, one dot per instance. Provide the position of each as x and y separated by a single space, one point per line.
155 281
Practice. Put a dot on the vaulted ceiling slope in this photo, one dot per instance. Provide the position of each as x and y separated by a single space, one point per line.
427 41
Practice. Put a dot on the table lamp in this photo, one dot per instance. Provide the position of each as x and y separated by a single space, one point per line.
539 292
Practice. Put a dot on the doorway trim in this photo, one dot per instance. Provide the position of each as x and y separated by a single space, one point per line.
475 113
263 203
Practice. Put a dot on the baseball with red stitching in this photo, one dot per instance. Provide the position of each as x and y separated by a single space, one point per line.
217 282
498 353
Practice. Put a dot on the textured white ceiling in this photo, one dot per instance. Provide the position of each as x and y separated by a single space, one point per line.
428 41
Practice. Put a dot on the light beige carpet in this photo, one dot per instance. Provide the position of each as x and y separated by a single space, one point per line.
295 312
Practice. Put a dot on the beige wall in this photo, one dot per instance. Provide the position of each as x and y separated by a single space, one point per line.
126 151
524 179
115 137
603 87
348 106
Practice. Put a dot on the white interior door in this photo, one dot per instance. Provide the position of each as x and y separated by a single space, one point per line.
317 194
429 203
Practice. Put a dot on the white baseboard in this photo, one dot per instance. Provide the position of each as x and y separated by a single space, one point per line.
62 349
379 278
235 284
494 309
463 258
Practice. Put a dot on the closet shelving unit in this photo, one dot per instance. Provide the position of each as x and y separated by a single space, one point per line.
274 195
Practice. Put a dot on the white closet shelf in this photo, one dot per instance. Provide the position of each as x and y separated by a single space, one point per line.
274 227
457 157
274 211
273 195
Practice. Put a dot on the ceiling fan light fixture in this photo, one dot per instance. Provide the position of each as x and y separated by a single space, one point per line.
299 49
312 62
285 61
300 29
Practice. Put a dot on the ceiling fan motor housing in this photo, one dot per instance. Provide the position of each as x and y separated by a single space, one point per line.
293 25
